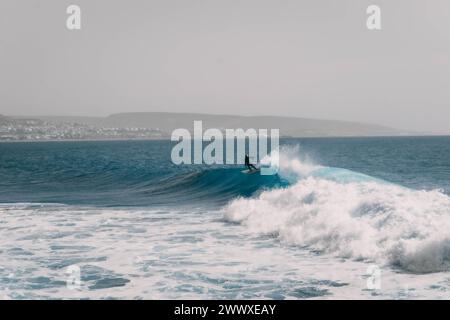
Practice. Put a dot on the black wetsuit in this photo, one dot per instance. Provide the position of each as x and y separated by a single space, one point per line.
248 164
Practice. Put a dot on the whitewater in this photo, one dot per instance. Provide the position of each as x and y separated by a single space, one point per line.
351 215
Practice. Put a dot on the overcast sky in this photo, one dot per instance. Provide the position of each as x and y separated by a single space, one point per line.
312 58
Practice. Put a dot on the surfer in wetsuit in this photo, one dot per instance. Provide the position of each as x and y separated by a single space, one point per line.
248 164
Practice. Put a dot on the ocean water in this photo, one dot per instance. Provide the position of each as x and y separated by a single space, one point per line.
133 225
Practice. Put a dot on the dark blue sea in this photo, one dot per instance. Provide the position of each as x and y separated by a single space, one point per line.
117 219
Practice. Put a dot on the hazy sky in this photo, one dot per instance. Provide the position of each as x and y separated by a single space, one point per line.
312 58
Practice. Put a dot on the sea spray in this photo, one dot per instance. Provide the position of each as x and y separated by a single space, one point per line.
351 215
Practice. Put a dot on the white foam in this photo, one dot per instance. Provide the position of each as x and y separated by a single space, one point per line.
360 219
291 164
175 255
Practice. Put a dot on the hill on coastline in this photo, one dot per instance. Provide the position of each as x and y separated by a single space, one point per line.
289 126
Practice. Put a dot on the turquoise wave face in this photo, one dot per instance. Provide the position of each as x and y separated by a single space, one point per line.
137 173
140 173
343 175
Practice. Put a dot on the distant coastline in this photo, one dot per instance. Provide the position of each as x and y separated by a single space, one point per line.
83 140
159 126
168 139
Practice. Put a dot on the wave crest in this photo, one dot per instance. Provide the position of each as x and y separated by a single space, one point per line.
353 216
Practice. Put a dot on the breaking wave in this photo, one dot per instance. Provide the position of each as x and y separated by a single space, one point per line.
351 215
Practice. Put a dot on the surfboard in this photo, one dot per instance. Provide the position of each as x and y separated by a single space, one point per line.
247 171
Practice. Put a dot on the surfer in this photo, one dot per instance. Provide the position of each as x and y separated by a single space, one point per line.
248 164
